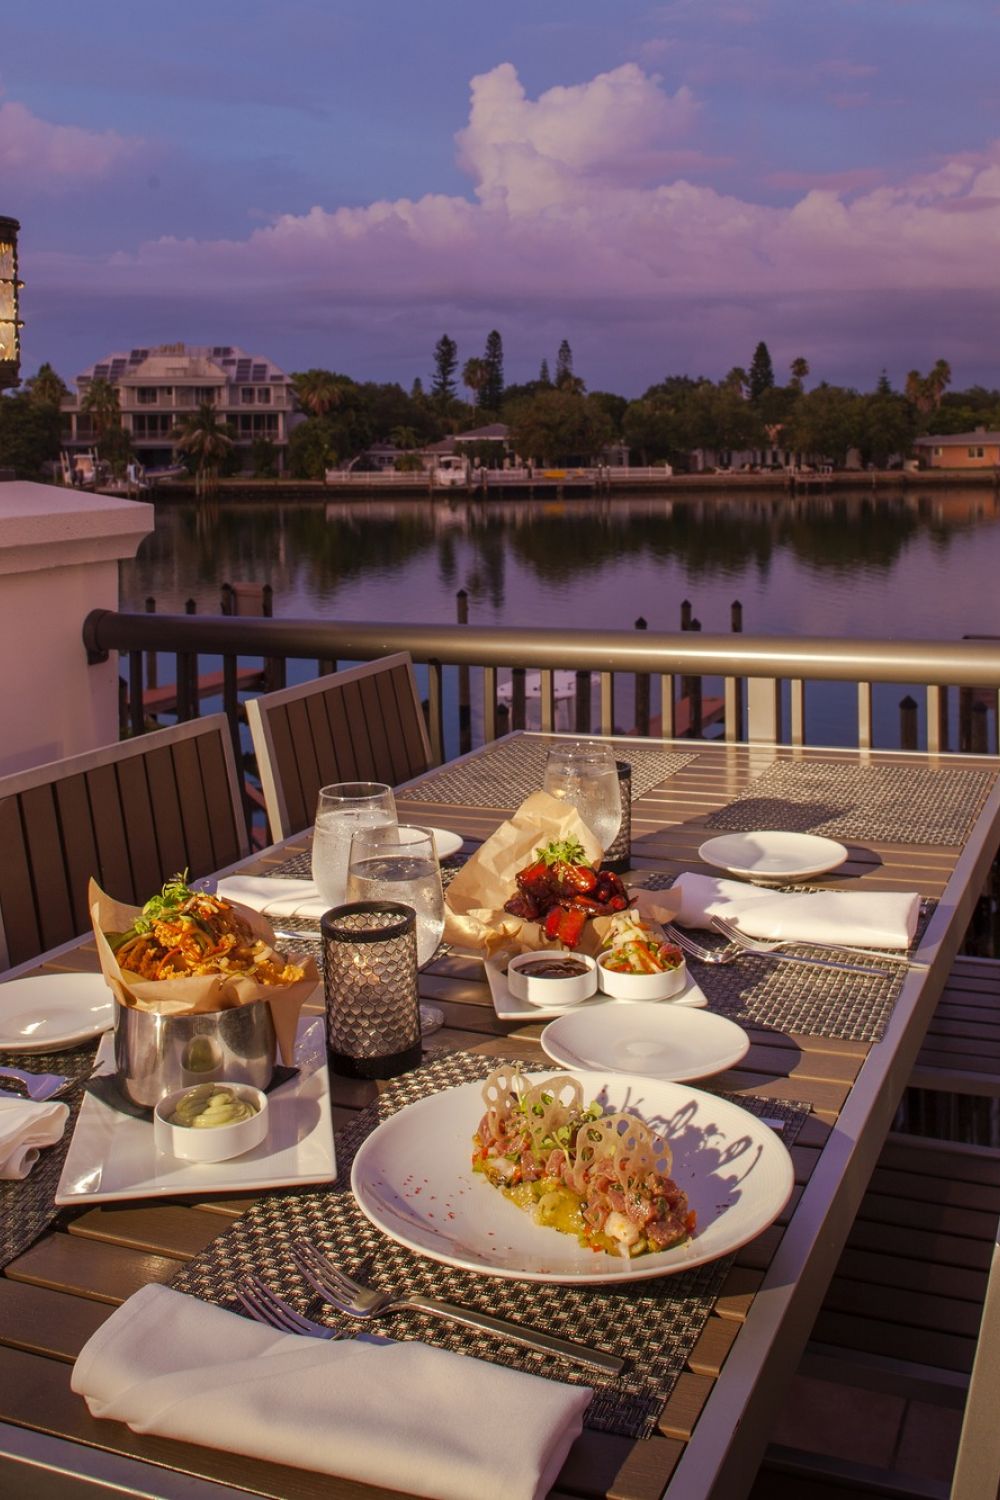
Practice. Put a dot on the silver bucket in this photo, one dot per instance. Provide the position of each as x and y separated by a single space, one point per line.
156 1054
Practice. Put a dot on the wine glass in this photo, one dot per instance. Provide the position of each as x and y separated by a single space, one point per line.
586 774
341 810
401 864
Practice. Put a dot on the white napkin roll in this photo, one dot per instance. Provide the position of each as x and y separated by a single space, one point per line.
274 897
403 1416
869 919
25 1127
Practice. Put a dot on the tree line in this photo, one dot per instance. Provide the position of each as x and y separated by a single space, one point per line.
553 419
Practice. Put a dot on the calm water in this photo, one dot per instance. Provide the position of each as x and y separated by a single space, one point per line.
920 566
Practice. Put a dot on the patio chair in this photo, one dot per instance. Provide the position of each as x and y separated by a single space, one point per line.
362 724
130 815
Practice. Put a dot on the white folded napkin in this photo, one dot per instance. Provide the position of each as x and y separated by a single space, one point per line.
403 1416
275 897
870 919
25 1127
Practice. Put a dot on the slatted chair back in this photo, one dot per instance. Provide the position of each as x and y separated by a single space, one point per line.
363 724
130 815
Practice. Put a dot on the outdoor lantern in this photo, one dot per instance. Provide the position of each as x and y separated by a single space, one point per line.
10 323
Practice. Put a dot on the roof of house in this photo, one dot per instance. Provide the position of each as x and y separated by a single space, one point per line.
957 439
494 432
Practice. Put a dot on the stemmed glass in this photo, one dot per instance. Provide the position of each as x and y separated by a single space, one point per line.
585 773
341 810
401 864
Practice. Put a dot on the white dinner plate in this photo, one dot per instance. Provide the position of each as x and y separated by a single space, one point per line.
112 1156
770 856
50 1012
413 1179
660 1041
509 1008
445 842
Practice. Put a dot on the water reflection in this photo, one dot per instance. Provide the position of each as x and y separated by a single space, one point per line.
815 564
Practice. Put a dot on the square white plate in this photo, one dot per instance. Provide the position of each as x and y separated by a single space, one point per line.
112 1156
509 1008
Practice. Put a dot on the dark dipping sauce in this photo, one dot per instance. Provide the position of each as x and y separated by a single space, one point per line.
552 968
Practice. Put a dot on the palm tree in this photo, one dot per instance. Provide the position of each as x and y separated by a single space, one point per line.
475 374
100 403
800 369
737 380
936 381
317 391
207 440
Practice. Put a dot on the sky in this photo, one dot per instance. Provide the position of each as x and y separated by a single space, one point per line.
337 183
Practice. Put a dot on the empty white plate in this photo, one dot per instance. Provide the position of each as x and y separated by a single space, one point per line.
445 842
669 1042
772 856
46 1012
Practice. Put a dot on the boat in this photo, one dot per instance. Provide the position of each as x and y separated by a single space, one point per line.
451 470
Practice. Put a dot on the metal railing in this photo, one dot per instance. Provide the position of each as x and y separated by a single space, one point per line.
753 670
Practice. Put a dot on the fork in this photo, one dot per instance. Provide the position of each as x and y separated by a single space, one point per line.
363 1302
39 1086
724 955
265 1306
764 946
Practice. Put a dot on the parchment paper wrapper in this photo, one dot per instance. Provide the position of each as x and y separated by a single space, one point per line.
474 916
200 992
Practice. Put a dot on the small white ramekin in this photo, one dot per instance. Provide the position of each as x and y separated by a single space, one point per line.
661 986
212 1143
550 992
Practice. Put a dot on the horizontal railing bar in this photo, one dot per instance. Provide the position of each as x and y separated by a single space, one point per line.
972 664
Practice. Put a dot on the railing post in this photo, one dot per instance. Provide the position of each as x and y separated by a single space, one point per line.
518 698
464 697
734 698
435 710
763 710
978 737
151 665
584 688
641 692
908 723
187 676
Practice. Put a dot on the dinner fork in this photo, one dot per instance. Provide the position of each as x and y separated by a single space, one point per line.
39 1086
265 1306
724 955
764 946
735 950
363 1302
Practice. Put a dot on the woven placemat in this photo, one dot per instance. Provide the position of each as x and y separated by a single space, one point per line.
504 775
28 1207
794 998
655 1324
889 804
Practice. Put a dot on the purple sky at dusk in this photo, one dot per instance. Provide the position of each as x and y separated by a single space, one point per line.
339 182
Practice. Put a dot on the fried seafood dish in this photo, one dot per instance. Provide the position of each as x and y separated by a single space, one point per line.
181 933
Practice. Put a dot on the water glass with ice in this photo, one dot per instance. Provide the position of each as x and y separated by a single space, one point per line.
400 865
341 810
585 773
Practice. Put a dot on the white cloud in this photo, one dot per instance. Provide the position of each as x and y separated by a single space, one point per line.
574 208
40 154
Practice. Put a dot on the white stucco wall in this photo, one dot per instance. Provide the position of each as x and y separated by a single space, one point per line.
59 552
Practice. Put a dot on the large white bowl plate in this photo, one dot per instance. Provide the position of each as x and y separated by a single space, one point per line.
50 1012
413 1179
668 1042
771 856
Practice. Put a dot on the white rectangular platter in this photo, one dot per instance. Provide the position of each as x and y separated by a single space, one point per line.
509 1008
112 1156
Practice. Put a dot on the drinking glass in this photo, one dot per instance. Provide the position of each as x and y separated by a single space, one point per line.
586 774
341 810
401 864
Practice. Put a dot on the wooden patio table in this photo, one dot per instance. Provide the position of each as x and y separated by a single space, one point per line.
715 1423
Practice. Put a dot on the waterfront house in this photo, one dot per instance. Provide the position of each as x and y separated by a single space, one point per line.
959 450
158 387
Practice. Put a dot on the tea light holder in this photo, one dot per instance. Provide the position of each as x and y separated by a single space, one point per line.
618 855
370 980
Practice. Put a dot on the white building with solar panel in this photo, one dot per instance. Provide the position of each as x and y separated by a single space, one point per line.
158 387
